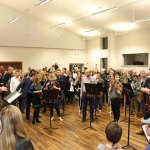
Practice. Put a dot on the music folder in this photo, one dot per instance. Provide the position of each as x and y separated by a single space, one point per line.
12 96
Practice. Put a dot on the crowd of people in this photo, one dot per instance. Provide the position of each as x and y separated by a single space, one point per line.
34 83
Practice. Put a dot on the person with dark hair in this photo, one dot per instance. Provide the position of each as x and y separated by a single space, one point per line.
113 134
136 87
35 90
115 90
25 100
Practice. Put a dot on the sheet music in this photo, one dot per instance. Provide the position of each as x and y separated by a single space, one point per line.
12 96
144 129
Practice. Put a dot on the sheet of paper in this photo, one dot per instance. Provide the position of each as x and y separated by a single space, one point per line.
144 129
15 96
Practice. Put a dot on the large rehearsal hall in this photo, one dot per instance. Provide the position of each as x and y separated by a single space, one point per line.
74 74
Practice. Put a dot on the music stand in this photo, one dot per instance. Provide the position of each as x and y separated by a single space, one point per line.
129 91
65 86
11 97
91 89
50 95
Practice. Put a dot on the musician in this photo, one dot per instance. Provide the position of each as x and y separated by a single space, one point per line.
146 89
136 86
142 79
125 79
115 90
99 97
7 76
85 97
25 101
35 91
53 84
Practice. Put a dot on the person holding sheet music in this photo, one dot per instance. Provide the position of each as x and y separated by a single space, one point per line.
53 84
115 90
35 91
85 97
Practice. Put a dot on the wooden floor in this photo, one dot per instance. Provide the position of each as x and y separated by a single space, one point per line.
71 136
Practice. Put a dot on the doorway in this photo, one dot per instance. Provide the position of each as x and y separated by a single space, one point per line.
104 63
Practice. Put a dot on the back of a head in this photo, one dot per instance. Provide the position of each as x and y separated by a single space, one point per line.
113 132
11 126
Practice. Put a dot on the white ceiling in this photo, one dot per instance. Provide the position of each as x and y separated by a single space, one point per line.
78 13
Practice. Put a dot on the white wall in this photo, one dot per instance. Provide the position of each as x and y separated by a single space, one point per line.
94 53
133 42
40 57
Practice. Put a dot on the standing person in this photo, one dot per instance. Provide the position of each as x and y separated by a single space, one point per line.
13 135
115 90
136 87
71 90
15 81
99 97
85 97
105 89
53 84
35 91
146 89
25 100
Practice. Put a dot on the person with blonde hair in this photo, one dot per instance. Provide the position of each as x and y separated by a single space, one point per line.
13 135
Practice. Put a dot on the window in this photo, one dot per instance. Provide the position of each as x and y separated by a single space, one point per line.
136 59
104 42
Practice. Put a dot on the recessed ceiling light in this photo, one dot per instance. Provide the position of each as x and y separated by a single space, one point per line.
13 20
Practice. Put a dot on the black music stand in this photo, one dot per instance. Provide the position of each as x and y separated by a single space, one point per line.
98 88
129 91
50 95
91 89
65 86
11 97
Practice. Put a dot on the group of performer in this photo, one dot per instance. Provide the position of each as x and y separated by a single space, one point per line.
34 82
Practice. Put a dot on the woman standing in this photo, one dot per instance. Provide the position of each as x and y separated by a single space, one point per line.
115 90
35 91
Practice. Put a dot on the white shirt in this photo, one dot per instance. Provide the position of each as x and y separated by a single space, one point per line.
14 82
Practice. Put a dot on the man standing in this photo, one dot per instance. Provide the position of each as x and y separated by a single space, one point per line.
85 97
25 100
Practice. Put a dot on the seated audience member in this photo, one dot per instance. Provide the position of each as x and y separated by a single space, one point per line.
13 135
113 134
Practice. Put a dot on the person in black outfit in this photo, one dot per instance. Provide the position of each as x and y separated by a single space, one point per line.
35 91
146 89
115 90
13 131
25 97
51 85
